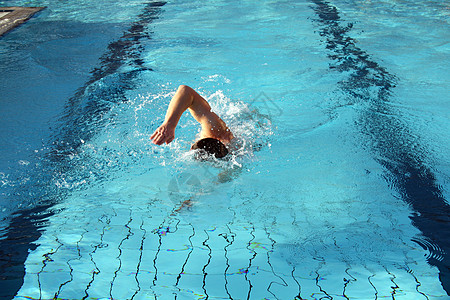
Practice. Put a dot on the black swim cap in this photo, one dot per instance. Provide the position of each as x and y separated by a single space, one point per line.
211 146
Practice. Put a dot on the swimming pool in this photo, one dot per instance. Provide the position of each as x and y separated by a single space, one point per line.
340 191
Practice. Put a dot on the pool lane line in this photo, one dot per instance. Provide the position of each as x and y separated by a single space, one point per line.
119 247
15 16
205 274
229 237
185 261
23 230
141 253
96 271
61 286
87 105
373 286
47 258
250 261
272 269
395 286
418 283
26 225
317 279
298 296
408 173
347 281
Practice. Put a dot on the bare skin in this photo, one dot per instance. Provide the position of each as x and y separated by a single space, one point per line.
186 98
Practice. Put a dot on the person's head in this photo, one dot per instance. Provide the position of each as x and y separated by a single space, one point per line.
211 147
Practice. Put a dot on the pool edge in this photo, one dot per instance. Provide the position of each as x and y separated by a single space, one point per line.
17 16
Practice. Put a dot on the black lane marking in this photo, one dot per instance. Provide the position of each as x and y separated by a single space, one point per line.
138 267
24 229
407 170
61 286
250 285
376 291
158 250
395 287
186 260
97 271
347 281
80 122
272 250
298 296
85 109
229 237
130 233
317 279
205 243
418 283
48 259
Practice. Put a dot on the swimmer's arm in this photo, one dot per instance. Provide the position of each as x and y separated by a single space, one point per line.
212 125
186 98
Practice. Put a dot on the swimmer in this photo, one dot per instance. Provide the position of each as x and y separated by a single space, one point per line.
215 134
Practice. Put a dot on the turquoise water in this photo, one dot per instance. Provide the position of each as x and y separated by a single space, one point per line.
339 190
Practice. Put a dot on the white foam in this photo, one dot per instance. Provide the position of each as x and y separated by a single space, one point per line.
216 78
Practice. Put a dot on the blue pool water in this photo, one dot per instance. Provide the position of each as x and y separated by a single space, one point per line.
339 190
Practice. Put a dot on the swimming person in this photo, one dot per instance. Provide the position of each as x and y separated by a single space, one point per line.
215 134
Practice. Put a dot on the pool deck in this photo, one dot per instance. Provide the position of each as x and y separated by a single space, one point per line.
13 16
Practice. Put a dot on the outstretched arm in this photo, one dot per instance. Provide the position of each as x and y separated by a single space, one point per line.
187 98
